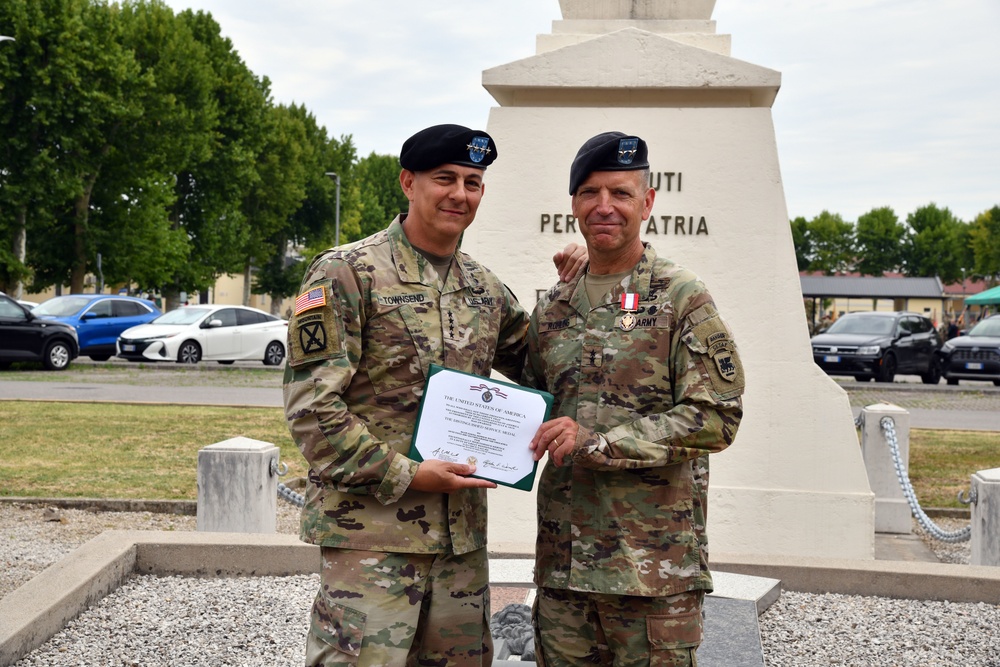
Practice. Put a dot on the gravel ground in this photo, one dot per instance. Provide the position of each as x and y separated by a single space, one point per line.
262 621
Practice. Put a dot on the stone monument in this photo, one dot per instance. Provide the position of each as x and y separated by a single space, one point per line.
794 482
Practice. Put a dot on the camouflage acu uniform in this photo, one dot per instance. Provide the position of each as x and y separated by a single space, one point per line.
661 387
376 317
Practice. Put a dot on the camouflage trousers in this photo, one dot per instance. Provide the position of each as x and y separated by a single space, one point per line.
393 609
573 628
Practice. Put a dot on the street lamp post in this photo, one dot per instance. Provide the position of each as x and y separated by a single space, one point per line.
336 229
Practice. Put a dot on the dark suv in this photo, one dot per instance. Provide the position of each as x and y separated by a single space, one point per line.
24 337
975 356
880 345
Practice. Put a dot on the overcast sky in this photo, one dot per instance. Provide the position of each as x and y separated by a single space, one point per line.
883 102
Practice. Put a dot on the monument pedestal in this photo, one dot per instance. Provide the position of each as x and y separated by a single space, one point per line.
794 482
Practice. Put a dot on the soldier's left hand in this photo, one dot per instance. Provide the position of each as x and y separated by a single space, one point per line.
557 437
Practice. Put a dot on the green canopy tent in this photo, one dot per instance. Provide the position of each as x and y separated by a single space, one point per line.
990 297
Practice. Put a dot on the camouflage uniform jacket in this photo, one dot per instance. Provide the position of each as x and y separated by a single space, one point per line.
626 514
356 369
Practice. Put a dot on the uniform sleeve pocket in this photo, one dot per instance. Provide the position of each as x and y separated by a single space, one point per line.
671 633
341 627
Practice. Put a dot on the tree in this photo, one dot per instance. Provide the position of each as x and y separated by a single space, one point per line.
878 235
984 241
314 221
936 244
56 83
271 203
130 209
108 93
381 197
832 243
210 194
800 238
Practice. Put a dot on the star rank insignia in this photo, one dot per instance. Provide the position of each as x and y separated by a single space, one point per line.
479 148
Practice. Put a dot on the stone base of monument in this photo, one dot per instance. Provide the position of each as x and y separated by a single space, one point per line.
732 633
732 637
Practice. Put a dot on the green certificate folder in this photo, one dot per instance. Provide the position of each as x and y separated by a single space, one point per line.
466 418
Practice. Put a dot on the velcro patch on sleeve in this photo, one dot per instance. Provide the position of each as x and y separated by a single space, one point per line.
724 366
314 334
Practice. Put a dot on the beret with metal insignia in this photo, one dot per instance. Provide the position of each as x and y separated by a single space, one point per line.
608 151
447 144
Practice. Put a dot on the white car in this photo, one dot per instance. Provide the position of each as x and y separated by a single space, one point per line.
191 334
27 304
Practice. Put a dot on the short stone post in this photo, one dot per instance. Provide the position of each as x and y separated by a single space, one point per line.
237 492
985 541
892 512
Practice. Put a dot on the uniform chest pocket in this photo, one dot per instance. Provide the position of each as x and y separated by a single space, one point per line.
391 348
478 334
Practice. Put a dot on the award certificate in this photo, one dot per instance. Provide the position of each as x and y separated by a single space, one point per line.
467 418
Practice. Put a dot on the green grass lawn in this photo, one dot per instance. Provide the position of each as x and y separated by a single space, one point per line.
941 463
103 450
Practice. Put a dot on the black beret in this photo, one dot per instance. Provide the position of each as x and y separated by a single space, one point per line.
447 144
609 151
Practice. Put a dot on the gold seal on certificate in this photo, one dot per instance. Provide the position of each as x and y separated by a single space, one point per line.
467 418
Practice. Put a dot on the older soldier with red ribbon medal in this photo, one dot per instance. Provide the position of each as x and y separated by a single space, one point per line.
647 383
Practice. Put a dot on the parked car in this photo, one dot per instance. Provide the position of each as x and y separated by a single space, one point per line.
213 333
975 356
25 337
98 318
880 345
27 304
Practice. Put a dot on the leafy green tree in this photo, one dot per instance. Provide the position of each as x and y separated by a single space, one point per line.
57 80
984 241
109 98
803 247
211 193
381 197
131 226
314 222
271 203
832 243
935 245
878 236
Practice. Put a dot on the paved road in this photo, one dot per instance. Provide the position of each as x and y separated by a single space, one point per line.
124 393
968 407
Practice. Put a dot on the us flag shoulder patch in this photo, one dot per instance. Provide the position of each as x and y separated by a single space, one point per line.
314 298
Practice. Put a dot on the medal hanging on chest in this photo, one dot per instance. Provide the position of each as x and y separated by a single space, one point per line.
630 305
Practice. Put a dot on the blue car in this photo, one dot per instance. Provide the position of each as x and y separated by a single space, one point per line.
98 319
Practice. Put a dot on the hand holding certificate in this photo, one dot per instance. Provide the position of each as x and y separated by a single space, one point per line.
471 419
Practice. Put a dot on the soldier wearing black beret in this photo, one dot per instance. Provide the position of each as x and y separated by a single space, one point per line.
405 576
609 151
448 144
647 383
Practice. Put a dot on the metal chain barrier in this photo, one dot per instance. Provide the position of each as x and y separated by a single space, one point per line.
294 498
888 425
285 492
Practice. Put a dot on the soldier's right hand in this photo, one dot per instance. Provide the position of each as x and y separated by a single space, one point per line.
444 477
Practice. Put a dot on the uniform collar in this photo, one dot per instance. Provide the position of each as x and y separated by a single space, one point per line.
413 268
575 292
